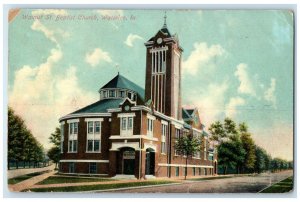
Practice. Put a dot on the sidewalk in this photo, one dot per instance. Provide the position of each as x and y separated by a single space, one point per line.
24 171
93 183
30 182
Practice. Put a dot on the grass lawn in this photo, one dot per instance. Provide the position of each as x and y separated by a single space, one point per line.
62 180
24 177
99 186
280 187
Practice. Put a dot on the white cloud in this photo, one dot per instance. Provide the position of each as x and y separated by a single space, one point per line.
269 93
49 33
246 85
231 107
38 26
49 12
111 12
41 98
95 57
131 38
211 102
201 57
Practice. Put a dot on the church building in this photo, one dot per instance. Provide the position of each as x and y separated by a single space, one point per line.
132 131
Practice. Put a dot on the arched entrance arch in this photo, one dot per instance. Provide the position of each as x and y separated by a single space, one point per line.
150 161
126 161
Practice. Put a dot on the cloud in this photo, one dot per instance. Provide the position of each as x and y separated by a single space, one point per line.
49 12
95 57
245 86
131 38
111 12
41 98
269 93
38 26
231 107
201 57
211 102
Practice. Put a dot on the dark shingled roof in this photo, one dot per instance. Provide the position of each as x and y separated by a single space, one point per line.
165 31
122 82
100 106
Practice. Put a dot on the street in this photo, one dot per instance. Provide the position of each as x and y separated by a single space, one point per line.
244 184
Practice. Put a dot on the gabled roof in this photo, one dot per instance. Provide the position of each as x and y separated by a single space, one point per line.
190 111
100 106
185 114
120 81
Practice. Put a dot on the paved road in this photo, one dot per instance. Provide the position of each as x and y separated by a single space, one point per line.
245 184
24 171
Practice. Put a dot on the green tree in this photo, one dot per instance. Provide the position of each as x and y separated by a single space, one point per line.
249 147
217 132
263 160
22 145
187 145
55 138
54 153
231 153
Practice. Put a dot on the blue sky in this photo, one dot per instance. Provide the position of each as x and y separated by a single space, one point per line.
235 63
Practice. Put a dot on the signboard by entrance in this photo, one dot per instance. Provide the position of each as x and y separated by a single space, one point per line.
128 155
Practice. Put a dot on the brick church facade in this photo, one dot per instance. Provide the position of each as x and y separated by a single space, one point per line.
131 131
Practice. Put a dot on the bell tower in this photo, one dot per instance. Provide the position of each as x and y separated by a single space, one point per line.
163 73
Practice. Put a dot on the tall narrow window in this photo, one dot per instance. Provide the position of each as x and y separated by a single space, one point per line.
90 127
177 136
126 124
62 138
149 127
73 133
93 135
163 138
97 127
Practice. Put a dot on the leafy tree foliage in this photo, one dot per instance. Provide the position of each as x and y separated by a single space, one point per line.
249 147
54 153
55 138
187 145
22 145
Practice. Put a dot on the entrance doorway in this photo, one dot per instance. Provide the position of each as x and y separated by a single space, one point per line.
128 161
150 161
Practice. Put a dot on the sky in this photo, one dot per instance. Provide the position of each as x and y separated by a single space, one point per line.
235 63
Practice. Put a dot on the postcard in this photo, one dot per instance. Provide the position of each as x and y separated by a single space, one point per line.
150 101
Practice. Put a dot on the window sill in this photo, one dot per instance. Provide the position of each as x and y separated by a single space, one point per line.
91 152
72 152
